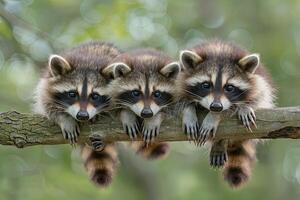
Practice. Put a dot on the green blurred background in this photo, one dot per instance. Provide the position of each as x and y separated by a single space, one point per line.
30 30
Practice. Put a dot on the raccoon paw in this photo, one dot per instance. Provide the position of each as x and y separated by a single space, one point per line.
205 133
247 115
130 123
208 129
190 123
149 133
131 129
70 130
191 129
97 143
218 158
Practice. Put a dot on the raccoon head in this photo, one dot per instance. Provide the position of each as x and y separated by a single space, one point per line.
218 80
144 90
80 92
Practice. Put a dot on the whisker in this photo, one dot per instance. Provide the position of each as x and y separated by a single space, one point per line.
114 108
242 93
60 103
193 94
123 104
168 103
123 101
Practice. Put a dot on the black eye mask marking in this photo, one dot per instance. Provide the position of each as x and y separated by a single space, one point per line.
200 89
130 96
69 98
66 98
98 100
235 94
162 98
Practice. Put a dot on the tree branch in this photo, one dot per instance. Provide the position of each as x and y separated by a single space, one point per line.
24 130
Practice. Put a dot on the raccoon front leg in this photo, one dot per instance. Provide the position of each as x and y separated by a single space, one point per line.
151 128
209 127
247 115
130 123
190 122
218 153
70 128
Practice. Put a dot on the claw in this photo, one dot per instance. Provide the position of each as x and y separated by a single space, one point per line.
218 154
253 115
131 133
131 130
65 135
252 119
247 116
136 129
218 159
77 131
70 130
203 136
150 133
192 131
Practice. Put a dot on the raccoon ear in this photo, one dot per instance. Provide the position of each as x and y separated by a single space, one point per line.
189 59
58 65
249 63
116 70
171 70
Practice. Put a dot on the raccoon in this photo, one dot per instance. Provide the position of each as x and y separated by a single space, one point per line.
143 84
218 76
73 90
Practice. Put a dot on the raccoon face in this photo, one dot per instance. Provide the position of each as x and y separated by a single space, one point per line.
143 92
80 92
217 83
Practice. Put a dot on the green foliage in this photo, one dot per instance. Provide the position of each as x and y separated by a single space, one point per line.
31 30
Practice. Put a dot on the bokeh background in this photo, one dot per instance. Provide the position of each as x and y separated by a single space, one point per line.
30 30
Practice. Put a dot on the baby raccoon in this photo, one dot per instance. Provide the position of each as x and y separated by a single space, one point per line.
143 86
219 76
74 90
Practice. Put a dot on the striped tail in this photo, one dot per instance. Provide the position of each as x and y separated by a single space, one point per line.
241 156
100 165
153 151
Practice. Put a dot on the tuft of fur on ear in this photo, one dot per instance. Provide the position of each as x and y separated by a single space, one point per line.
189 59
249 63
58 65
116 70
171 70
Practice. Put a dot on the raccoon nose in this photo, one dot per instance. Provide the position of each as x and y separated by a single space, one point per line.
82 115
216 107
146 113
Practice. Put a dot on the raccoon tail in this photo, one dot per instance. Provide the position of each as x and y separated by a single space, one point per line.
153 151
241 157
100 165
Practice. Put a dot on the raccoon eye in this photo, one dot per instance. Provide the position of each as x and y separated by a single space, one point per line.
95 97
206 85
72 94
157 94
229 88
136 93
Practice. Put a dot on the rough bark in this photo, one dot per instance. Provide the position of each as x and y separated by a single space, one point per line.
24 130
